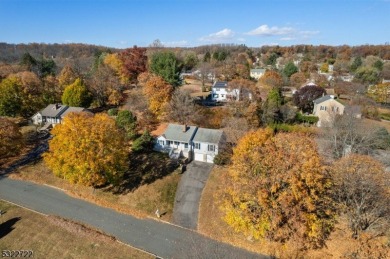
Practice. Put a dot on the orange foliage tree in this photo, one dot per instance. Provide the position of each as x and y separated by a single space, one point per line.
279 189
11 140
271 79
159 94
88 150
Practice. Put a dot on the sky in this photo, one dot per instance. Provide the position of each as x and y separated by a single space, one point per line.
189 23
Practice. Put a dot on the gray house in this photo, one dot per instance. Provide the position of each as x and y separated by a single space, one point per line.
194 143
54 114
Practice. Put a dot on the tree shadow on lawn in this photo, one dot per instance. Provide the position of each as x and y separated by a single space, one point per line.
145 168
7 227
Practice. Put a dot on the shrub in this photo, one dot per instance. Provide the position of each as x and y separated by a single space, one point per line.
112 112
306 118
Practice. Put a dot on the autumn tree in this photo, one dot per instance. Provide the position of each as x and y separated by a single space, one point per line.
304 97
11 140
67 76
10 96
104 86
182 107
380 92
87 150
298 79
165 64
76 94
363 193
279 189
271 79
159 93
134 62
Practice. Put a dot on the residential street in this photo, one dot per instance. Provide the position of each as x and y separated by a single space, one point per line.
161 239
186 208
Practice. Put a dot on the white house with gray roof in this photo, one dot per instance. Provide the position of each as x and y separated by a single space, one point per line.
54 114
194 143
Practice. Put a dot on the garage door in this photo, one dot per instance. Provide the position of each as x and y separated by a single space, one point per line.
199 157
210 159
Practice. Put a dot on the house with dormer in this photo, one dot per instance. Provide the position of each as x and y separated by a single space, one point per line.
192 142
54 114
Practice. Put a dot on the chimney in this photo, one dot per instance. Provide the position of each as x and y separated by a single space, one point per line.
56 106
184 128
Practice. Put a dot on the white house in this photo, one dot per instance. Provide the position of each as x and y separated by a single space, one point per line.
54 114
194 143
257 73
219 91
207 143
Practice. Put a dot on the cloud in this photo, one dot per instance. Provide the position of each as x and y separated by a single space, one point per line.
181 43
265 30
223 35
288 38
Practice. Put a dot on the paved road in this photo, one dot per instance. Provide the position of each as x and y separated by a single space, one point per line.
158 238
186 208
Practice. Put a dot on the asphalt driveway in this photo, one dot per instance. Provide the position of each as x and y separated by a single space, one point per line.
186 208
163 240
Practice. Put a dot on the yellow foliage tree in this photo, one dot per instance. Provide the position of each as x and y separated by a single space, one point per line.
380 92
114 62
88 150
159 94
279 189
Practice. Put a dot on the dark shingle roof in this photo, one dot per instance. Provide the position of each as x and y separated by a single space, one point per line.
220 84
53 110
208 135
175 132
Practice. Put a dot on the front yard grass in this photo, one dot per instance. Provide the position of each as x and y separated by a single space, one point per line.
53 237
151 186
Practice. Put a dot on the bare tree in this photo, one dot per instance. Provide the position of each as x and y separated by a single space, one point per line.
346 134
182 107
362 190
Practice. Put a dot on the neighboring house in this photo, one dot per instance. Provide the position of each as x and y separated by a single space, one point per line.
257 73
219 91
194 143
54 114
326 107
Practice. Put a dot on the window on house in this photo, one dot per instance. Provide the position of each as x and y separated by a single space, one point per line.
211 148
161 142
169 142
176 143
197 145
217 89
185 145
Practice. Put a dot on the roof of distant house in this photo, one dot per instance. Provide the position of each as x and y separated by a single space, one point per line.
220 84
325 98
175 132
258 70
53 110
208 135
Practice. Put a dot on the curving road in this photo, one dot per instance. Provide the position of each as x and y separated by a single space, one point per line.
161 239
